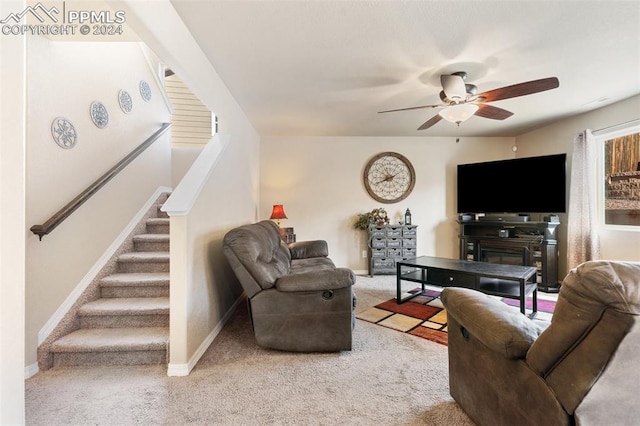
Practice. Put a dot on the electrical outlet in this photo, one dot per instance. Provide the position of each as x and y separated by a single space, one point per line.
364 253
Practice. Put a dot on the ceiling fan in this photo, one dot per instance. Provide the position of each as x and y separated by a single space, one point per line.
461 101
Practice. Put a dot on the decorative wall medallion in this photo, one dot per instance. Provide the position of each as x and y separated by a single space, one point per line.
99 114
125 101
64 133
145 91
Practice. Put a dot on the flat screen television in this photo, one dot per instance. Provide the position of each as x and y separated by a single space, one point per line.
520 185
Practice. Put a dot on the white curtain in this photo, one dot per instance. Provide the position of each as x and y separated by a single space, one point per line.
583 243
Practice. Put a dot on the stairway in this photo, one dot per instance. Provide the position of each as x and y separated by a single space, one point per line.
129 323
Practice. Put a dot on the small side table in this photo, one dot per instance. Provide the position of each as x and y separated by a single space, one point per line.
288 235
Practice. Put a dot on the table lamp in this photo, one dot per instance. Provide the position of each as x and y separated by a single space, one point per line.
278 213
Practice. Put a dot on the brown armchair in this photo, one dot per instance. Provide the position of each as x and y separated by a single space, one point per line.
584 368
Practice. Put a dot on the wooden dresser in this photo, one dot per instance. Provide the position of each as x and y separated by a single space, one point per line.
389 244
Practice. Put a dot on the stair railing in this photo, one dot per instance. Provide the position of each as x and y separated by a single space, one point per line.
63 213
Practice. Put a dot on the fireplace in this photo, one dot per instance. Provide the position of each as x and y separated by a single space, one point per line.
514 243
505 255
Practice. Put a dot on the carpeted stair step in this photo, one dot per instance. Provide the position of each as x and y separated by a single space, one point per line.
160 213
125 312
158 225
144 262
164 197
151 242
129 323
112 346
135 285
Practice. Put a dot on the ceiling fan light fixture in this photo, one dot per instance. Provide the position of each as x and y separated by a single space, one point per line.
459 112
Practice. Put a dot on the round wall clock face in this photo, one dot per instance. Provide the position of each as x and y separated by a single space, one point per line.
389 177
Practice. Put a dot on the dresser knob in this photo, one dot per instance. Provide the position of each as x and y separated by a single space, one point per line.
450 278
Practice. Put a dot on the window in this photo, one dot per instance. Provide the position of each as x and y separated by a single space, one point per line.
620 177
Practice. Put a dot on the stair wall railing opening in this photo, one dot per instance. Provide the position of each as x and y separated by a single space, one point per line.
80 199
193 124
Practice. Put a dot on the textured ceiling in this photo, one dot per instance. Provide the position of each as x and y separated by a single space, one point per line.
326 67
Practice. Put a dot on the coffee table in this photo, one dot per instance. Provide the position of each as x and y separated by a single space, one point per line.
510 281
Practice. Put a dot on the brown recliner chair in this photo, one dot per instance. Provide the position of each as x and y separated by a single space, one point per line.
298 299
583 369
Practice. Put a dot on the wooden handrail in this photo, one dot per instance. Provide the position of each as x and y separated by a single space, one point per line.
63 213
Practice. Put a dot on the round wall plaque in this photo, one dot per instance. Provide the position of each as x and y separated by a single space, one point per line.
125 101
63 132
145 91
99 114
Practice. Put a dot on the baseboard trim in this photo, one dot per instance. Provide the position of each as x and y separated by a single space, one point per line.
361 272
59 314
31 370
180 370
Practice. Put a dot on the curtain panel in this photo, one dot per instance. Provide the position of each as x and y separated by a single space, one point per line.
583 243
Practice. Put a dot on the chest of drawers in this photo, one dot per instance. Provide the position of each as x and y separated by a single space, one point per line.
389 244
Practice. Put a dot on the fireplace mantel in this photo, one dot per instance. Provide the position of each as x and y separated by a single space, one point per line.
517 243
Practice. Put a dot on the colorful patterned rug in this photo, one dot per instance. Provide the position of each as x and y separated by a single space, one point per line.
424 315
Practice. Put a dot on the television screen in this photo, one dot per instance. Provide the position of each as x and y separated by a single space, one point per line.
521 185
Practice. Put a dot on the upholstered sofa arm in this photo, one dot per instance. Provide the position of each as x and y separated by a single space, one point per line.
307 249
499 327
329 279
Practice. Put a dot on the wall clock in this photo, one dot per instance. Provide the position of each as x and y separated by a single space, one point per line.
389 177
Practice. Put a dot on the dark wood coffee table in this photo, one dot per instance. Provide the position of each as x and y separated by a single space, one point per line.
510 281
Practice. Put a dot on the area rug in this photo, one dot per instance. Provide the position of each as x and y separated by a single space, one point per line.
424 315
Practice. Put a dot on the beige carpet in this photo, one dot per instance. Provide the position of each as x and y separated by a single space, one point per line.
389 378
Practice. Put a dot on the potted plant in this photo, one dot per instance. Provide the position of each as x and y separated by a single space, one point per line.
364 219
376 216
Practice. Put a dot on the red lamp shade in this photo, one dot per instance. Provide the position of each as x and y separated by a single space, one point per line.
278 213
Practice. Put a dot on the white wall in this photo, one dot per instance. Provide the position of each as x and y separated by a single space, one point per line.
229 198
203 287
63 79
557 138
12 223
182 159
319 182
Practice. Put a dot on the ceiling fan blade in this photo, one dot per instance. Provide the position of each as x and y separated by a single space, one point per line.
453 86
520 89
495 113
410 108
431 122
